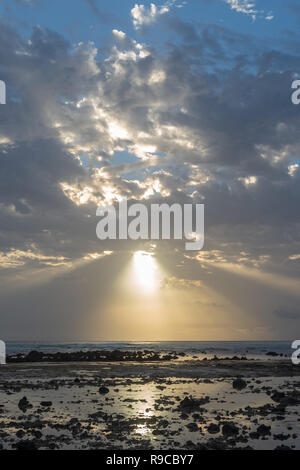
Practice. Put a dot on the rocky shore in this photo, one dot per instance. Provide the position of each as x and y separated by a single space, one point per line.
92 356
177 403
116 355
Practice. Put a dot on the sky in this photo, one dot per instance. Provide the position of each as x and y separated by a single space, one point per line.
173 101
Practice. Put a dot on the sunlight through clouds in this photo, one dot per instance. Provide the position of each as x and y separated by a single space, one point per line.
159 104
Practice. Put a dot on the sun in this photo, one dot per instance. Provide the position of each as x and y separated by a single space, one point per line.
145 271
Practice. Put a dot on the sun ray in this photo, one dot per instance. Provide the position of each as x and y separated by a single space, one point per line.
145 271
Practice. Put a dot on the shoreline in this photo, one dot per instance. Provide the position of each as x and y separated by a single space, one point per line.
186 404
136 355
191 368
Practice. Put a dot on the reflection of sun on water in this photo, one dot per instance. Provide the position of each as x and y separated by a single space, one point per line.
142 429
144 411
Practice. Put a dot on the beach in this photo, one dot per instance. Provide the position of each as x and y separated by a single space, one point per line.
176 402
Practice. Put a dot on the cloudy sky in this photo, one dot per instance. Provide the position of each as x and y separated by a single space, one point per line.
178 101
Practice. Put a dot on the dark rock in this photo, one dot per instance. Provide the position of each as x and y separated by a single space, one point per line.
282 447
163 423
213 428
192 427
34 356
103 390
281 437
37 424
239 384
46 403
263 430
92 356
278 396
189 404
287 399
26 445
230 430
24 404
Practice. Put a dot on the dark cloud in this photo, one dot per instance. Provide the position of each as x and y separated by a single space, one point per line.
208 119
287 314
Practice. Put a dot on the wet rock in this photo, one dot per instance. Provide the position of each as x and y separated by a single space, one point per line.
73 421
282 447
34 424
230 430
278 396
26 445
287 399
281 437
163 423
217 444
92 356
46 404
34 356
213 428
239 384
192 427
190 404
103 390
24 404
263 430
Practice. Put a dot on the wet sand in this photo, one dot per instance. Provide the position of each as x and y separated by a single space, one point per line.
180 404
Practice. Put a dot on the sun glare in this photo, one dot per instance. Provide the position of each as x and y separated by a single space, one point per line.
145 270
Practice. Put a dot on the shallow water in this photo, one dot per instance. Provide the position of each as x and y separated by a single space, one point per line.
143 412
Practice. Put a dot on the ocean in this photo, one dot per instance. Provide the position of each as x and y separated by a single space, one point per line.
254 349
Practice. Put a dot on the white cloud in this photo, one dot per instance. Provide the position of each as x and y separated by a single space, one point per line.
143 16
249 8
243 6
293 168
16 258
119 34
